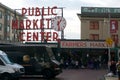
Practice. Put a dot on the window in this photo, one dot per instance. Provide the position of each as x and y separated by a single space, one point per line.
1 63
0 14
0 26
8 38
94 36
8 28
6 59
115 38
94 25
0 37
8 19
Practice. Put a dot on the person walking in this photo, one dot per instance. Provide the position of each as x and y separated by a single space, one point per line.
118 69
113 67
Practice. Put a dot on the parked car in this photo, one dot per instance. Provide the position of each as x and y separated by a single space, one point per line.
8 69
36 59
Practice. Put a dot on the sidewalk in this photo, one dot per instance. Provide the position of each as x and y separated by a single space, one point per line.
111 78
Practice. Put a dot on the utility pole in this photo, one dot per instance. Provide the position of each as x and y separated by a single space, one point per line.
42 30
14 31
62 32
109 42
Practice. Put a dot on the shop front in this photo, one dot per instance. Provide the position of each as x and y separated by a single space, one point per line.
85 52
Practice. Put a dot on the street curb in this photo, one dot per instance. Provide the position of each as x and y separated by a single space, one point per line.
110 78
102 78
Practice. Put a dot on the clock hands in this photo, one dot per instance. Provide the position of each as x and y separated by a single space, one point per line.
58 24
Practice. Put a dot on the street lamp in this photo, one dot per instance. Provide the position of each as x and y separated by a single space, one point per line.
109 42
14 30
45 38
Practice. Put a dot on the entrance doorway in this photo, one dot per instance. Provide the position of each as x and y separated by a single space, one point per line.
86 57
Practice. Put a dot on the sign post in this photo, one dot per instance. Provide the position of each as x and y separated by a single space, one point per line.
109 43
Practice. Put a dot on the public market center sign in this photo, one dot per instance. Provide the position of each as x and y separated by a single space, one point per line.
43 17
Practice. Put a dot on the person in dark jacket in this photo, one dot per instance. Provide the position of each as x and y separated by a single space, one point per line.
118 69
113 67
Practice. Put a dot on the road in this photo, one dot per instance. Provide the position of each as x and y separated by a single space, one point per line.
77 74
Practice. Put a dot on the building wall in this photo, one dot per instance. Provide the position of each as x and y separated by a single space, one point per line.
103 31
7 33
2 23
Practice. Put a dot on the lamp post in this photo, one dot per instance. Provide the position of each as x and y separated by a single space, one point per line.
45 38
58 50
109 42
14 30
62 32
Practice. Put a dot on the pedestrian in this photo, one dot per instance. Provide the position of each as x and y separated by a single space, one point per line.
62 63
113 67
76 64
95 64
118 69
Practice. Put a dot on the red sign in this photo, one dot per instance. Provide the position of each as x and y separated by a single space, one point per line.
84 44
113 26
36 24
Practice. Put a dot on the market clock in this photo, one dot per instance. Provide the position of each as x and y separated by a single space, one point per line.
58 23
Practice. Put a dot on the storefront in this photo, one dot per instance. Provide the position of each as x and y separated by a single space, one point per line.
80 50
88 50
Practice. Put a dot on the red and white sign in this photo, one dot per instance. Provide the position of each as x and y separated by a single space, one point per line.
85 44
37 24
113 26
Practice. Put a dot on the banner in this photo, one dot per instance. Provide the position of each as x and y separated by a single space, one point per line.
113 26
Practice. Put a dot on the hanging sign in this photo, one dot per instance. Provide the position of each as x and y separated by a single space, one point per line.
113 26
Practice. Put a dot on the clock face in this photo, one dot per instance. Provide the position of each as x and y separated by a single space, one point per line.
58 23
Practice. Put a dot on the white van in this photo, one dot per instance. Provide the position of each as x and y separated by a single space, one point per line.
9 70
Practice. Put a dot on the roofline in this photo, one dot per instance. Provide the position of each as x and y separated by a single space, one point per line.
99 7
8 8
11 10
99 15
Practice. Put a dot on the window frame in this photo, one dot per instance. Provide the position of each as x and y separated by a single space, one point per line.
94 36
0 14
115 38
94 25
0 26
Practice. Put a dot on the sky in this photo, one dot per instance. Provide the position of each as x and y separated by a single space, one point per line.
70 10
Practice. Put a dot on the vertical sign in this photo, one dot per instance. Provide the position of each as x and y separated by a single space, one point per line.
113 26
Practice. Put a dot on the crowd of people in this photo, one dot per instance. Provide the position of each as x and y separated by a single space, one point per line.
94 63
79 63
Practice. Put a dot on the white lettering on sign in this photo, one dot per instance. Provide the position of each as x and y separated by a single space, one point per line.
98 44
72 44
84 44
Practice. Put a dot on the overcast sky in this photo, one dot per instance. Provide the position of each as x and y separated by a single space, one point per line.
72 7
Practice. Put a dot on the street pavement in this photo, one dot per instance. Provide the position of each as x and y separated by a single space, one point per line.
78 74
82 74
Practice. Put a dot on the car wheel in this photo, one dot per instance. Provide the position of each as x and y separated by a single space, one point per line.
47 73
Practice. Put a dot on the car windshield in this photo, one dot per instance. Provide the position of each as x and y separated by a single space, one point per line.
6 59
50 53
45 56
